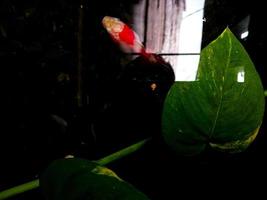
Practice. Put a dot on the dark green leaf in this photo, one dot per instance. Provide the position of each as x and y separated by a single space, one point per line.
73 179
223 108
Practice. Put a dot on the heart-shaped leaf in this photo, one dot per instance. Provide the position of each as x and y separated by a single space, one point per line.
223 108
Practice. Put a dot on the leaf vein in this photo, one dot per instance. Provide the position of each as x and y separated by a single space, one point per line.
222 90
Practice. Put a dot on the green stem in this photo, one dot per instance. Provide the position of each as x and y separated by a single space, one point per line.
122 153
103 161
265 93
19 189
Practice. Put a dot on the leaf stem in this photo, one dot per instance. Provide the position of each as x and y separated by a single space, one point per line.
19 189
122 153
103 161
265 93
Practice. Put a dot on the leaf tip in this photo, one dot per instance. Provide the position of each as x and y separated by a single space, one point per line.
227 31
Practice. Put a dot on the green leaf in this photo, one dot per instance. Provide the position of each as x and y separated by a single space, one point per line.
223 108
72 179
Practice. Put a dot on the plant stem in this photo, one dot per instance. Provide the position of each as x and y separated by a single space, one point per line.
122 153
19 189
103 161
265 93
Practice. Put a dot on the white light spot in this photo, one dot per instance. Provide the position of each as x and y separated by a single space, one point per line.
69 156
180 131
241 77
244 35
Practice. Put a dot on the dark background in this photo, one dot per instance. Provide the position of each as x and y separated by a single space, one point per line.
43 119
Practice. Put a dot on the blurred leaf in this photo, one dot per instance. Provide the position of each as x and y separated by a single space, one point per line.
224 107
74 178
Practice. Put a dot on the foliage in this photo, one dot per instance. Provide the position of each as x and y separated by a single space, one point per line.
74 178
223 108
